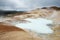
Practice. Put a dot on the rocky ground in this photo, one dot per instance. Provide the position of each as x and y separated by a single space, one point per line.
51 13
10 32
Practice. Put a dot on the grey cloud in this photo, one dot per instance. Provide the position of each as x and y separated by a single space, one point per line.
26 4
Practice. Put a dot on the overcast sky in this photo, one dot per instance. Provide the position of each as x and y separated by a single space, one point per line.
26 4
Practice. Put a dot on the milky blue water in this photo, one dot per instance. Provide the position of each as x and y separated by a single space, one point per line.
38 25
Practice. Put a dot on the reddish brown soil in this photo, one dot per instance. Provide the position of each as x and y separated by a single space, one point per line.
9 32
8 28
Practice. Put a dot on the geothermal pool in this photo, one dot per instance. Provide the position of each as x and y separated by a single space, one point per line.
38 25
